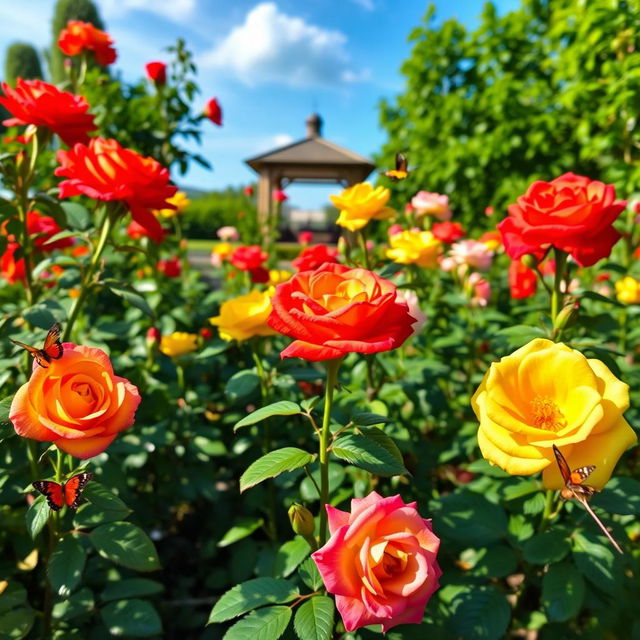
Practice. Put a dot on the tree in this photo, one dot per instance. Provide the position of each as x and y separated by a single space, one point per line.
21 61
66 10
548 88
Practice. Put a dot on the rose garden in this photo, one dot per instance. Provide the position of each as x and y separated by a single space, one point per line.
425 430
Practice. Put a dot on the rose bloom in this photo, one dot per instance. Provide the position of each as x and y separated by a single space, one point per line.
248 258
628 290
278 276
178 344
179 203
380 562
432 204
480 290
279 195
447 232
81 36
305 238
394 228
360 204
156 72
336 310
492 240
417 247
104 170
546 393
311 258
220 252
572 213
136 231
43 228
213 111
411 298
77 402
259 275
171 268
43 105
472 253
523 281
248 190
244 317
228 233
11 269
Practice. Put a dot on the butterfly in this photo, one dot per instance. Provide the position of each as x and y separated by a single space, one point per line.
51 350
574 488
400 172
68 493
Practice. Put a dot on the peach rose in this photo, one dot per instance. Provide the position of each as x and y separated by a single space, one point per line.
76 402
380 562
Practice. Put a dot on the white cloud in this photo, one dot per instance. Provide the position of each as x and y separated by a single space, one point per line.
273 47
368 5
281 140
180 10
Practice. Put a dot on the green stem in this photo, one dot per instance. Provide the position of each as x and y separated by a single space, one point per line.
548 508
556 294
362 236
182 386
623 330
332 379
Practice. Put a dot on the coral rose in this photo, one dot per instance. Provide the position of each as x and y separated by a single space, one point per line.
76 402
104 170
523 281
546 393
572 213
415 247
43 105
447 232
244 317
380 562
311 258
80 36
628 290
360 204
336 310
179 343
471 253
156 72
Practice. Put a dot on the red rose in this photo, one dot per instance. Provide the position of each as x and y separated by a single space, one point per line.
523 281
305 238
156 72
447 232
136 231
279 195
572 213
104 170
336 310
248 258
171 268
259 275
213 111
313 257
11 269
43 105
248 191
45 227
81 36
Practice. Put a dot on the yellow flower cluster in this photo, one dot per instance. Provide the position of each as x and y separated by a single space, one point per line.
421 248
180 201
360 204
628 290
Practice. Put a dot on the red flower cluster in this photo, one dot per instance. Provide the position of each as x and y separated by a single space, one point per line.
313 257
171 268
522 280
43 105
448 232
251 259
572 213
81 36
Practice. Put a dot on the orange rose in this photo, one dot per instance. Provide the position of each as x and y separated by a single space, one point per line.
76 402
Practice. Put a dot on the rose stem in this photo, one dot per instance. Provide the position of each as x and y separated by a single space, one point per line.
332 379
556 294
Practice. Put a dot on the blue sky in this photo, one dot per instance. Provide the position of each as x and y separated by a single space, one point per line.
270 63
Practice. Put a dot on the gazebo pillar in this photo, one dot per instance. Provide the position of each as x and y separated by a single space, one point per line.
265 187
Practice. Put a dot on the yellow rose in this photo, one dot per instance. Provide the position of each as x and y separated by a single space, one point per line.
278 276
244 317
179 200
628 290
179 343
361 203
546 393
414 247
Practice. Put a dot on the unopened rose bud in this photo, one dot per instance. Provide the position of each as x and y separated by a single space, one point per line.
302 522
153 336
567 316
529 260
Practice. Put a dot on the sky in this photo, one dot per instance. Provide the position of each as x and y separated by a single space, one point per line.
270 64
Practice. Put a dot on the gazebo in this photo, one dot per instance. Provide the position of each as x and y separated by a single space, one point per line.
310 160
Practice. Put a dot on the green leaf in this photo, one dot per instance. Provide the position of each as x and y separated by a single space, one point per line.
250 595
242 528
621 496
37 516
132 297
130 588
309 574
379 436
98 495
17 623
496 561
598 563
563 591
264 624
242 384
78 217
282 408
52 207
76 604
314 619
61 235
368 419
40 316
367 454
125 544
546 548
66 565
137 618
290 555
5 407
103 506
481 614
273 464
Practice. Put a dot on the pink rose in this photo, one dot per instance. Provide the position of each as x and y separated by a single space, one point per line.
433 204
380 562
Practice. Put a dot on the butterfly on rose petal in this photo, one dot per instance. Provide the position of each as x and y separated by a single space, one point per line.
68 493
51 350
400 172
574 488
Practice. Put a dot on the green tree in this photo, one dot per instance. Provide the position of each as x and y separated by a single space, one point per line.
66 10
21 61
548 88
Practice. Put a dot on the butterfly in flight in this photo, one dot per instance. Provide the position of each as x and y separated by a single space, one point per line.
68 493
574 488
51 350
400 172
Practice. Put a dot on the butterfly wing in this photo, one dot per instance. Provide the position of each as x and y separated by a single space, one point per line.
52 491
579 475
73 489
52 345
563 465
401 163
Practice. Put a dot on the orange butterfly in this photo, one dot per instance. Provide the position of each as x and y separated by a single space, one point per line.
400 172
51 350
66 493
573 488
